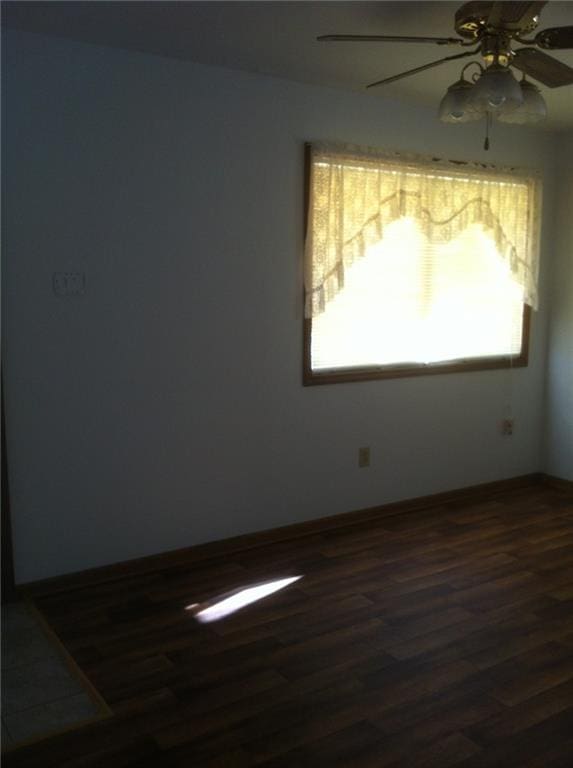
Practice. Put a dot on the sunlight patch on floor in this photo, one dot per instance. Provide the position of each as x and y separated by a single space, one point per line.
230 603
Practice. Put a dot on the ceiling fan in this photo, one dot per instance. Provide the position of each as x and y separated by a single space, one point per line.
490 29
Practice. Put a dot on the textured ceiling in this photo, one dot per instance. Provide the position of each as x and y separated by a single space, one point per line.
278 38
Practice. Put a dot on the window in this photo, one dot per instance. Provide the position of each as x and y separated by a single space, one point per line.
415 266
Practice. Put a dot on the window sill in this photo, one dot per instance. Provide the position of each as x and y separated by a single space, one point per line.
341 376
372 373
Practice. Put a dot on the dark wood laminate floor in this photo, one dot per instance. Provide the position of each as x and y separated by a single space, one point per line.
437 638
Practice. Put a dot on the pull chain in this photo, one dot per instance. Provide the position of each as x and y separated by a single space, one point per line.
487 126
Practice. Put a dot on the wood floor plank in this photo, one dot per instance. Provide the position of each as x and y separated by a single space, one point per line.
509 721
530 745
437 637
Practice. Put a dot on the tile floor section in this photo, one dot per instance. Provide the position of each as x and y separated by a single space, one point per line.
40 693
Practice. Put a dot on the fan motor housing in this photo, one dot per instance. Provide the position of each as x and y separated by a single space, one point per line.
496 47
471 20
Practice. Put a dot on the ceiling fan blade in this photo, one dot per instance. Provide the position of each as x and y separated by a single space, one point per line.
540 66
555 38
414 71
515 15
389 39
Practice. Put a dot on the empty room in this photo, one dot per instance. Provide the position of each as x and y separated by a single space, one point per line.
287 384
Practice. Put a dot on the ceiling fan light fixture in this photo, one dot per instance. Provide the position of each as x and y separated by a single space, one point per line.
532 110
496 91
489 30
456 106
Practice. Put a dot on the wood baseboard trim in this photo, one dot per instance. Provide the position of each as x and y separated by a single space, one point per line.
558 483
223 547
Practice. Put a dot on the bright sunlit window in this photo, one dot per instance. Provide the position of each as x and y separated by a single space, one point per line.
410 302
413 289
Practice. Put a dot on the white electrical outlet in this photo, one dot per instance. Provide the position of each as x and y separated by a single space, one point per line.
507 427
69 283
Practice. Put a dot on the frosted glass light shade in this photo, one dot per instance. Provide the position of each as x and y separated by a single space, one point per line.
456 107
532 110
496 91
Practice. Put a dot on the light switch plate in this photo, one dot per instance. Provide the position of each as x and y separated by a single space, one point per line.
69 283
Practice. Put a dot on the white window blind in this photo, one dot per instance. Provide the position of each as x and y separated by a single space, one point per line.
415 263
408 301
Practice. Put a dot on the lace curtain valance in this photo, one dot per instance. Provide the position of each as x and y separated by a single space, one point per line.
354 194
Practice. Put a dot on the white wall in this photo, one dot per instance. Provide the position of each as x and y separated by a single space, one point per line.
559 433
165 408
